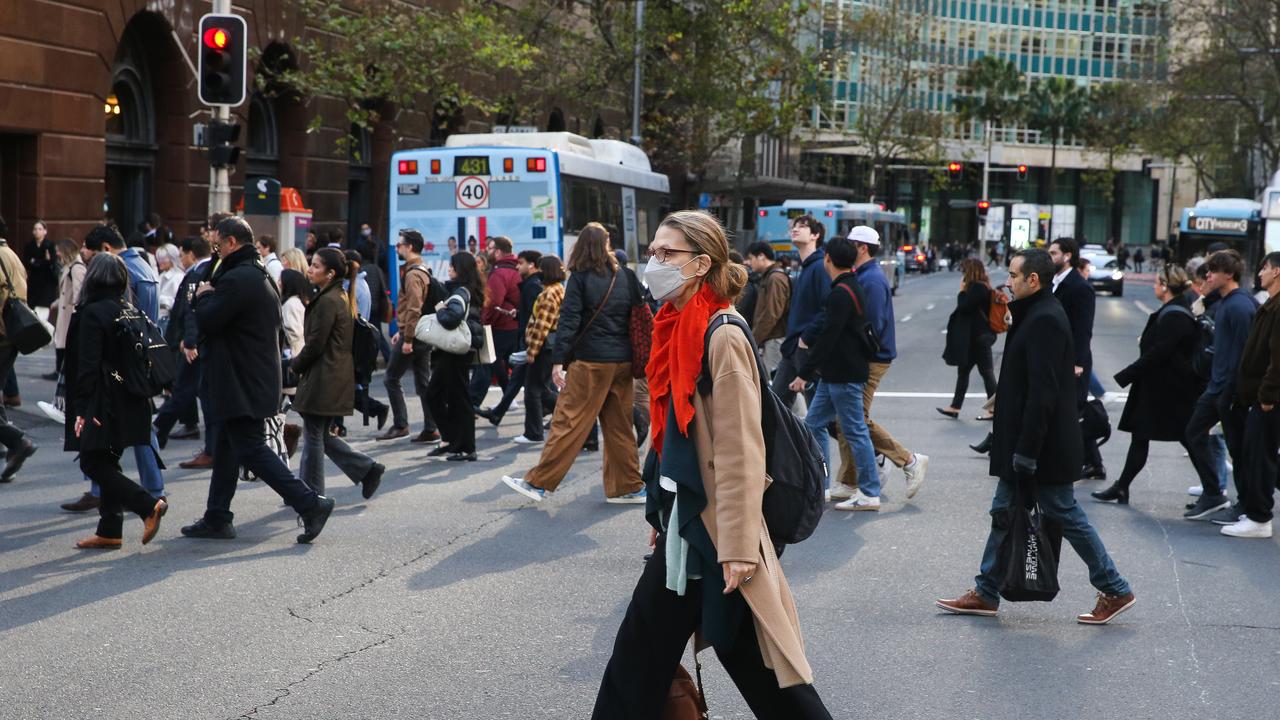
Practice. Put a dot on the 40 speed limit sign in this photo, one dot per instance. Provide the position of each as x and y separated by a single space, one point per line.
472 193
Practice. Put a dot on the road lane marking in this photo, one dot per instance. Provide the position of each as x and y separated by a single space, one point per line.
905 318
1143 307
1111 396
930 306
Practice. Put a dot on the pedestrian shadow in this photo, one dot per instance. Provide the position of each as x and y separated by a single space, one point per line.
34 533
832 546
532 536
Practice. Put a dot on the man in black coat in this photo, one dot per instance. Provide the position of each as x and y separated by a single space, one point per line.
182 334
1078 302
238 311
1036 447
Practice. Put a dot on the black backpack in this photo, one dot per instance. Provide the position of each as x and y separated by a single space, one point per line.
794 501
152 365
1202 356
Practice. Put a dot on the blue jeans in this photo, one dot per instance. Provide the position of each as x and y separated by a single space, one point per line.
1059 503
1095 386
1218 446
844 401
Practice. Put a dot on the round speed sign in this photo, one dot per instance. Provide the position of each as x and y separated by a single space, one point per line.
472 193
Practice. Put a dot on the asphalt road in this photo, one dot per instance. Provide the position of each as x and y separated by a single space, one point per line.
448 596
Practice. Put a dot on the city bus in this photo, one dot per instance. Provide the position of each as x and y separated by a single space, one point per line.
1234 222
773 225
539 189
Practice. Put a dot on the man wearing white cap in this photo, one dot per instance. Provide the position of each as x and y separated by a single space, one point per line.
879 310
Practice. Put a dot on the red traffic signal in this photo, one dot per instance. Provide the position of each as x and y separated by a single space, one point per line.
224 57
983 207
954 169
1022 172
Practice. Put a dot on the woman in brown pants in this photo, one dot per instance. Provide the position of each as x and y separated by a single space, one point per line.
593 333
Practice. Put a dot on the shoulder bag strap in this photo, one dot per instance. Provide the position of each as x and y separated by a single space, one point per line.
596 314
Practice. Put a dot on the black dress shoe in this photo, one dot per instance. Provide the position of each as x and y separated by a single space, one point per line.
983 447
462 457
369 485
313 522
1114 493
202 528
1092 472
15 459
50 376
441 450
953 414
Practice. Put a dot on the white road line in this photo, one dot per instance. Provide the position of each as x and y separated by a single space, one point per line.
930 306
1143 307
905 318
1111 396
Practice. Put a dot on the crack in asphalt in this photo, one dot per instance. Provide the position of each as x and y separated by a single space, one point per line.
1182 605
288 689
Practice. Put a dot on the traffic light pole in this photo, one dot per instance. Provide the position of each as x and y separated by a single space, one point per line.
220 178
986 184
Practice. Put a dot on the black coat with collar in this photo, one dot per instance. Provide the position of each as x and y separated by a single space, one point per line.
969 327
1163 388
240 323
93 354
182 323
1079 302
1036 397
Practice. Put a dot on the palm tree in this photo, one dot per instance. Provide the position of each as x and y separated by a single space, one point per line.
1056 106
993 90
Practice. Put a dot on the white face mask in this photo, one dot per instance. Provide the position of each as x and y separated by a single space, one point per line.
664 280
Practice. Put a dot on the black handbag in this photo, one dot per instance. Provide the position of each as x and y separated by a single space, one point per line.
1030 551
22 327
1094 422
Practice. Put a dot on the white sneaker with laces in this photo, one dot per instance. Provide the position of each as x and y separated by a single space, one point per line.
522 440
1195 491
1246 528
860 502
915 474
524 488
840 491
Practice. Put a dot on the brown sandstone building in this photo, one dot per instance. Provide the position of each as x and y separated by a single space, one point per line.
97 112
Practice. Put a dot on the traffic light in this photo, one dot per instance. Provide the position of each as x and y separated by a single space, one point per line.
1022 173
954 170
223 59
221 139
983 207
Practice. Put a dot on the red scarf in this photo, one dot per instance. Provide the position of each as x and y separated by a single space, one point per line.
676 359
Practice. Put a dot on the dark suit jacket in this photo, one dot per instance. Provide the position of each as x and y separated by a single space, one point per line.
1078 301
240 325
1036 413
182 322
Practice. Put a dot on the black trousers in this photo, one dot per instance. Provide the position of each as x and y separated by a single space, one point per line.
1209 411
981 360
652 639
10 436
537 398
242 442
119 493
450 402
1092 457
181 402
1256 479
1136 459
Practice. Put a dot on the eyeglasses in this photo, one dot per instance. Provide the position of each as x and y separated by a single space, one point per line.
662 254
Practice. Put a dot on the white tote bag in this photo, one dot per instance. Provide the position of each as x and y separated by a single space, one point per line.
456 341
485 354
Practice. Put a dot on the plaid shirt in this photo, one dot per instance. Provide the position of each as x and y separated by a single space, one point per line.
546 315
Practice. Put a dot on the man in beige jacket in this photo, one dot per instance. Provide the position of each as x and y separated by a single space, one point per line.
407 352
18 447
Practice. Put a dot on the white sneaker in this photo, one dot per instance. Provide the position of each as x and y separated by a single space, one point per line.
1195 491
522 440
1246 528
840 491
915 474
524 488
860 502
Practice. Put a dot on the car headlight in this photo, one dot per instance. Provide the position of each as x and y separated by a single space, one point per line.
1117 275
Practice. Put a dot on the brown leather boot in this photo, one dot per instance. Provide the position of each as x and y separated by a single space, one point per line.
151 525
1107 608
200 461
970 603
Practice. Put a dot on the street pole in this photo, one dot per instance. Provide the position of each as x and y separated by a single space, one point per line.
635 90
220 178
986 186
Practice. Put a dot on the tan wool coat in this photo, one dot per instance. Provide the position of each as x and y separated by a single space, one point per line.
730 443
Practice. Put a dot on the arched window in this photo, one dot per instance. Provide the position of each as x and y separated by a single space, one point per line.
555 123
359 174
263 150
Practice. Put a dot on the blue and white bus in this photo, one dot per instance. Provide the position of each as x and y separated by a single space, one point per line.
774 227
539 189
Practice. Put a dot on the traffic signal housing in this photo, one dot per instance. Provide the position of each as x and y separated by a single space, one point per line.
221 139
954 170
1022 173
224 57
983 207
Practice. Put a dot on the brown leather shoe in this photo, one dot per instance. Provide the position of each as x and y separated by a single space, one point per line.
970 603
151 525
200 461
1107 608
292 433
13 401
95 542
86 503
394 433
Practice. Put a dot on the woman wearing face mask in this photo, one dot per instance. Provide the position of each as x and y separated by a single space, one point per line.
713 570
593 332
325 390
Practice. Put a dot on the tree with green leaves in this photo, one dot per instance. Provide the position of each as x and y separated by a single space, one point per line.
1113 119
1056 107
383 58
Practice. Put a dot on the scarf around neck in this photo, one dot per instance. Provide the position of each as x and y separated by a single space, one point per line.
676 359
